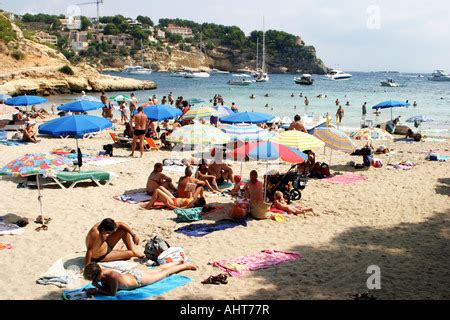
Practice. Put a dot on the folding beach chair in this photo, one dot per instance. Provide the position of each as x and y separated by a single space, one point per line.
120 141
75 177
151 144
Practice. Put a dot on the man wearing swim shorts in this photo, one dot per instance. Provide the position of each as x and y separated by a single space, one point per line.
102 240
140 121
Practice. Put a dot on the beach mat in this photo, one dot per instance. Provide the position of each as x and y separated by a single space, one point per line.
175 168
5 246
346 179
8 225
203 229
133 198
107 162
13 143
238 267
153 290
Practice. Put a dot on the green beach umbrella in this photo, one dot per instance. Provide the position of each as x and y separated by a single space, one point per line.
120 97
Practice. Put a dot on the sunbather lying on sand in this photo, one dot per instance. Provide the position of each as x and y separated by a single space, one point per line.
103 238
163 195
280 204
108 282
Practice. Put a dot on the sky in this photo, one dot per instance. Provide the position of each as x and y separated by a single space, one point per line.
352 35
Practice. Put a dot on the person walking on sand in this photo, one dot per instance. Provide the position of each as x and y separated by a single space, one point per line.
339 115
140 121
133 103
102 240
107 281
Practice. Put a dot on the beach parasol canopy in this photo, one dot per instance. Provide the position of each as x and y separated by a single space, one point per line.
25 100
390 104
335 139
247 117
223 111
4 97
120 97
90 98
35 164
198 134
372 134
247 132
299 140
7 111
81 106
203 112
161 112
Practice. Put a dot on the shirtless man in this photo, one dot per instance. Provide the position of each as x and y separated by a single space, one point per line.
222 171
297 124
133 104
102 240
188 186
108 282
28 134
141 126
104 99
254 188
158 179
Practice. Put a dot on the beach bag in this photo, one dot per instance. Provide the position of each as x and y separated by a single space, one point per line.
325 170
377 163
189 215
260 210
173 254
367 160
154 247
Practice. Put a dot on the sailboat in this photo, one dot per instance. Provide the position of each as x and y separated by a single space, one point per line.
262 75
137 69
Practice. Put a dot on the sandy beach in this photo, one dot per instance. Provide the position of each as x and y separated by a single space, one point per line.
397 220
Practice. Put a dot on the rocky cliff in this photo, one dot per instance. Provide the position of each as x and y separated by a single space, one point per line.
38 71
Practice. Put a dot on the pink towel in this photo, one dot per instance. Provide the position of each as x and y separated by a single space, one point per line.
346 179
265 259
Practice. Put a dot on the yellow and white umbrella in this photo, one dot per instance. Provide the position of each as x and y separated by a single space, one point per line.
372 134
199 134
298 139
203 112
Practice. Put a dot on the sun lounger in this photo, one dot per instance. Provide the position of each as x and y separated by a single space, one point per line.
151 144
120 141
75 177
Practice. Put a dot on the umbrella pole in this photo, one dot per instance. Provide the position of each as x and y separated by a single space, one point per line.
79 167
265 182
331 155
40 199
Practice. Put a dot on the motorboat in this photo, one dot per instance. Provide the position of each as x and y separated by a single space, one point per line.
262 77
439 75
219 71
241 80
389 83
338 75
136 70
197 75
179 74
305 79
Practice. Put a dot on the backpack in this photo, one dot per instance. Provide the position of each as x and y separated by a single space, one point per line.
154 247
325 170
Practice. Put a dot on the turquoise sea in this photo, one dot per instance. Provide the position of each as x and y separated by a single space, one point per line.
433 98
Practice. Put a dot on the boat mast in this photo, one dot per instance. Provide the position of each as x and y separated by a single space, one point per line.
142 55
257 53
264 47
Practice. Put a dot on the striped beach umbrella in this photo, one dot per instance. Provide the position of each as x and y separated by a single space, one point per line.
372 134
269 151
335 139
299 140
203 112
247 132
223 110
199 134
7 111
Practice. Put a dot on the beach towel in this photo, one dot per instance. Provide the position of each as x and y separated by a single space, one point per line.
175 168
107 162
346 179
405 165
153 290
433 156
224 185
434 139
8 224
238 267
5 246
134 198
57 275
188 215
13 143
201 230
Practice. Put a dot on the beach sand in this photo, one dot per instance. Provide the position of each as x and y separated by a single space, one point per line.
397 220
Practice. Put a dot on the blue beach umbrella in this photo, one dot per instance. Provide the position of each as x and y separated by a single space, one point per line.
390 104
75 126
247 117
162 112
25 100
81 106
247 132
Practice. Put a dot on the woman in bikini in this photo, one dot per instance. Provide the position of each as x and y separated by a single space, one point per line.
163 195
158 179
108 282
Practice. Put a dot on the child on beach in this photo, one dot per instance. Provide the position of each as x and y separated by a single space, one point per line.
237 186
280 204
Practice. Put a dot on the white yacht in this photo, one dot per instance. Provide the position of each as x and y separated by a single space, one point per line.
180 74
338 75
389 83
305 79
241 80
136 70
197 75
262 75
219 71
439 75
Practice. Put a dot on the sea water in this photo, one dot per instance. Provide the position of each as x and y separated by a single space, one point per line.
433 98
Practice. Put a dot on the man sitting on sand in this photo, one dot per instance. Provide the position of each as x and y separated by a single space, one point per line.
254 188
209 179
108 282
158 179
188 186
28 134
102 240
222 171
